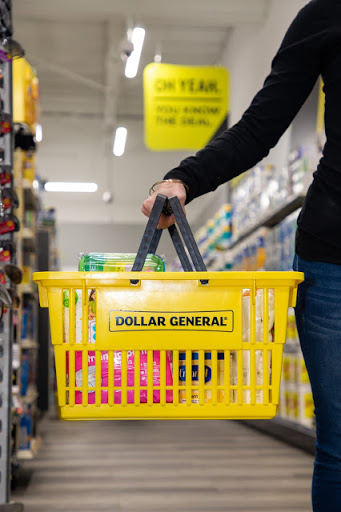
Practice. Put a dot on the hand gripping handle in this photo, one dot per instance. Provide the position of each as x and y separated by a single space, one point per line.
152 236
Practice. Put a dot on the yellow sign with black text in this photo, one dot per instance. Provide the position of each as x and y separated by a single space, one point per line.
184 106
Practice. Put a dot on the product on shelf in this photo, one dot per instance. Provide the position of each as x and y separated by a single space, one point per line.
296 399
264 189
251 254
26 93
213 239
47 217
268 249
252 198
26 425
28 321
29 166
9 223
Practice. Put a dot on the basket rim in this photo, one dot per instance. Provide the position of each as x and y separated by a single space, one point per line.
176 276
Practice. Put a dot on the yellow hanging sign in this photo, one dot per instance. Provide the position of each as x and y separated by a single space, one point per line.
184 106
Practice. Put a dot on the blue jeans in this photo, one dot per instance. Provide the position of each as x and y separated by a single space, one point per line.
318 317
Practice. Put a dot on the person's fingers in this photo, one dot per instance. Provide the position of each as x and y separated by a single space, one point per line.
168 190
165 221
145 210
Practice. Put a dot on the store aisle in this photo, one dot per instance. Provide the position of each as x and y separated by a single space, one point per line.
214 466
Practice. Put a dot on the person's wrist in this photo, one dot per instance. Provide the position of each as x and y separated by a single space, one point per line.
170 182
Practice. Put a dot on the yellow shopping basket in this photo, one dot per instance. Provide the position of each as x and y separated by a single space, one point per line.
172 345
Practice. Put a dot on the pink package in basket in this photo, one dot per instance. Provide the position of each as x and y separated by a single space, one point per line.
117 376
117 364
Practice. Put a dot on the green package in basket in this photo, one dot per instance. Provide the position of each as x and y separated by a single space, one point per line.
118 262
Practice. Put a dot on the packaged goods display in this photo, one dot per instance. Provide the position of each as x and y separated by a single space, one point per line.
251 254
268 249
26 424
252 197
28 322
216 234
264 189
28 371
287 233
118 262
296 399
213 240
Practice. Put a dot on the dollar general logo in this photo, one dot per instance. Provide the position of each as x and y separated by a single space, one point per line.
220 321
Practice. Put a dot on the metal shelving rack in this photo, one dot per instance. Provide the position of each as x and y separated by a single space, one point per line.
6 324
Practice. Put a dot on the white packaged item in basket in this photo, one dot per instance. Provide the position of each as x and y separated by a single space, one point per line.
259 339
78 315
259 315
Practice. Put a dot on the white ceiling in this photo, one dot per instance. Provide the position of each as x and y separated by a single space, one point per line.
74 44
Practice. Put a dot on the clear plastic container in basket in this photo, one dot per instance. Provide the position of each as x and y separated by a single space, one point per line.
118 262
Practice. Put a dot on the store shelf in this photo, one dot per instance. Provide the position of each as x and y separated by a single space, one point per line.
32 453
272 219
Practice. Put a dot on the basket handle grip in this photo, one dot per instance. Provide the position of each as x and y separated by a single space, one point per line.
152 235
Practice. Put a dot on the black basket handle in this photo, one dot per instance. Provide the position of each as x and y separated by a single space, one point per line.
152 235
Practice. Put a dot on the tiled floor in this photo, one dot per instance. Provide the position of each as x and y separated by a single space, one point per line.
214 466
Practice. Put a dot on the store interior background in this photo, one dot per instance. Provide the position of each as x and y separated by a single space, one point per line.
84 96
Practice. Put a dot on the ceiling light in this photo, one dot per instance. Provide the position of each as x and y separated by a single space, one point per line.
69 186
35 184
39 133
158 57
133 60
120 141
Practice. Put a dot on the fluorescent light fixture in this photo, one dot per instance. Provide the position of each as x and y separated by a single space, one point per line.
120 141
39 133
69 186
133 60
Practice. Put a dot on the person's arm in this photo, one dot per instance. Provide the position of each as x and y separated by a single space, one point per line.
294 72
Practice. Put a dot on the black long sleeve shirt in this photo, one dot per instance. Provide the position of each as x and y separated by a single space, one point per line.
311 47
